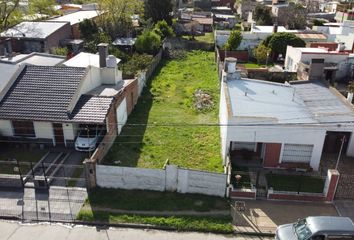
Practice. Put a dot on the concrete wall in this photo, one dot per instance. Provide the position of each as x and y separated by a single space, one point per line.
70 131
171 179
6 128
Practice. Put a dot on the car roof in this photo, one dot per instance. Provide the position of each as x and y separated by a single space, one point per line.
328 224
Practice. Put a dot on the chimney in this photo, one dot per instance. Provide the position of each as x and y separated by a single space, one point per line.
275 28
230 72
103 52
316 70
110 74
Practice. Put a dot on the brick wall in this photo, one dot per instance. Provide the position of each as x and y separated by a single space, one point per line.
272 154
242 56
331 46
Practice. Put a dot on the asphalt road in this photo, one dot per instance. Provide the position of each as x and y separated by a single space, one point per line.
16 231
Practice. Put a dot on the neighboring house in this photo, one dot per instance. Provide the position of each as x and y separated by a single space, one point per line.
27 37
337 64
203 24
228 3
311 37
76 18
225 21
282 125
244 7
48 105
251 39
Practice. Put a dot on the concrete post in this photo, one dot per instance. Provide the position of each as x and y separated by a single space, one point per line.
171 177
331 184
90 173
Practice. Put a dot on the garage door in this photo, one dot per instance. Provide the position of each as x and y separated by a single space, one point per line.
122 115
297 153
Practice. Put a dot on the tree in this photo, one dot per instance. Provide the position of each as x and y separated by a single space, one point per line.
295 16
60 51
159 10
148 42
262 15
234 41
116 19
88 29
163 29
45 7
9 13
278 42
261 53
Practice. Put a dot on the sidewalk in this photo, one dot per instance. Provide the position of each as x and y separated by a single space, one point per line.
264 216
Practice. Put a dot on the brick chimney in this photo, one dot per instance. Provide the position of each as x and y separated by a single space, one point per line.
103 52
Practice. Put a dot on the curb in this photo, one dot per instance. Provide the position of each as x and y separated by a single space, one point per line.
137 226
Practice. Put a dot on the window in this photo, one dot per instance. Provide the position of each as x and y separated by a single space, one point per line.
301 230
23 129
299 153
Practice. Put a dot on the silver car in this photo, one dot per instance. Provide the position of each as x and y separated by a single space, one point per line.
317 228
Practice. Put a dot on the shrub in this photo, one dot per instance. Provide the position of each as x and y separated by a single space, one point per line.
163 29
148 42
261 53
234 41
137 63
60 51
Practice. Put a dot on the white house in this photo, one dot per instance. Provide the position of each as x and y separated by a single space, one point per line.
48 104
338 62
282 125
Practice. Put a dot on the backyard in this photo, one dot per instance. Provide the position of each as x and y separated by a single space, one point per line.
169 124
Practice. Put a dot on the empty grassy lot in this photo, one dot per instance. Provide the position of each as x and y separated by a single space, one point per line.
165 124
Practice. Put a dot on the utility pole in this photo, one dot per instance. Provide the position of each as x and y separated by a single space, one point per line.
340 152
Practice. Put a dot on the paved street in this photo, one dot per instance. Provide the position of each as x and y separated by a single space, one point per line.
58 204
15 231
345 208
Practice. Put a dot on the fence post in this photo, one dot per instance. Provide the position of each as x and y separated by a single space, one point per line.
171 172
90 173
331 184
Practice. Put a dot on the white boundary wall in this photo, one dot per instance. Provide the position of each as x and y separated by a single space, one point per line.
171 179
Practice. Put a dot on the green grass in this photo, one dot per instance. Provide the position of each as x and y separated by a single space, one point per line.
24 156
208 37
208 224
295 183
169 100
153 201
256 65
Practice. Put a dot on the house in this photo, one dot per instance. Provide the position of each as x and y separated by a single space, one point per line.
48 105
311 36
76 18
275 125
203 24
9 65
27 37
244 7
225 20
337 64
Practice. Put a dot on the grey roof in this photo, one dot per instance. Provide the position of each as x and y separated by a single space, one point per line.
91 109
329 224
44 93
37 30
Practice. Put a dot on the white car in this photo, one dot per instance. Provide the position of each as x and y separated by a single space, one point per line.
87 139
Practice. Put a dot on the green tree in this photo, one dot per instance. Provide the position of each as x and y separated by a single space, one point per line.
159 10
60 51
163 29
91 46
45 7
295 16
88 29
9 13
234 40
278 42
148 42
261 53
262 15
116 19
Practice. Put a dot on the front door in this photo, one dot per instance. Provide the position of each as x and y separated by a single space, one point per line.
58 133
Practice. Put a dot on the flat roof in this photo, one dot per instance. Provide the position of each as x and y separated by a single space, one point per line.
39 30
313 50
84 60
269 29
77 17
298 102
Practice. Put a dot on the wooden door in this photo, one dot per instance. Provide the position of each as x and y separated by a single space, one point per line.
58 133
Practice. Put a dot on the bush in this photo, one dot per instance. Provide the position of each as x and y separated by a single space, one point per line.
60 51
91 46
137 63
148 42
261 53
112 50
163 29
88 29
234 41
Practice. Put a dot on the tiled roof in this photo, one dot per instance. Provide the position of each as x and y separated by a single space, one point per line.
41 93
91 109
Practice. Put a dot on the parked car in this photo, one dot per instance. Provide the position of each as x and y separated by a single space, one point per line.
88 138
317 228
